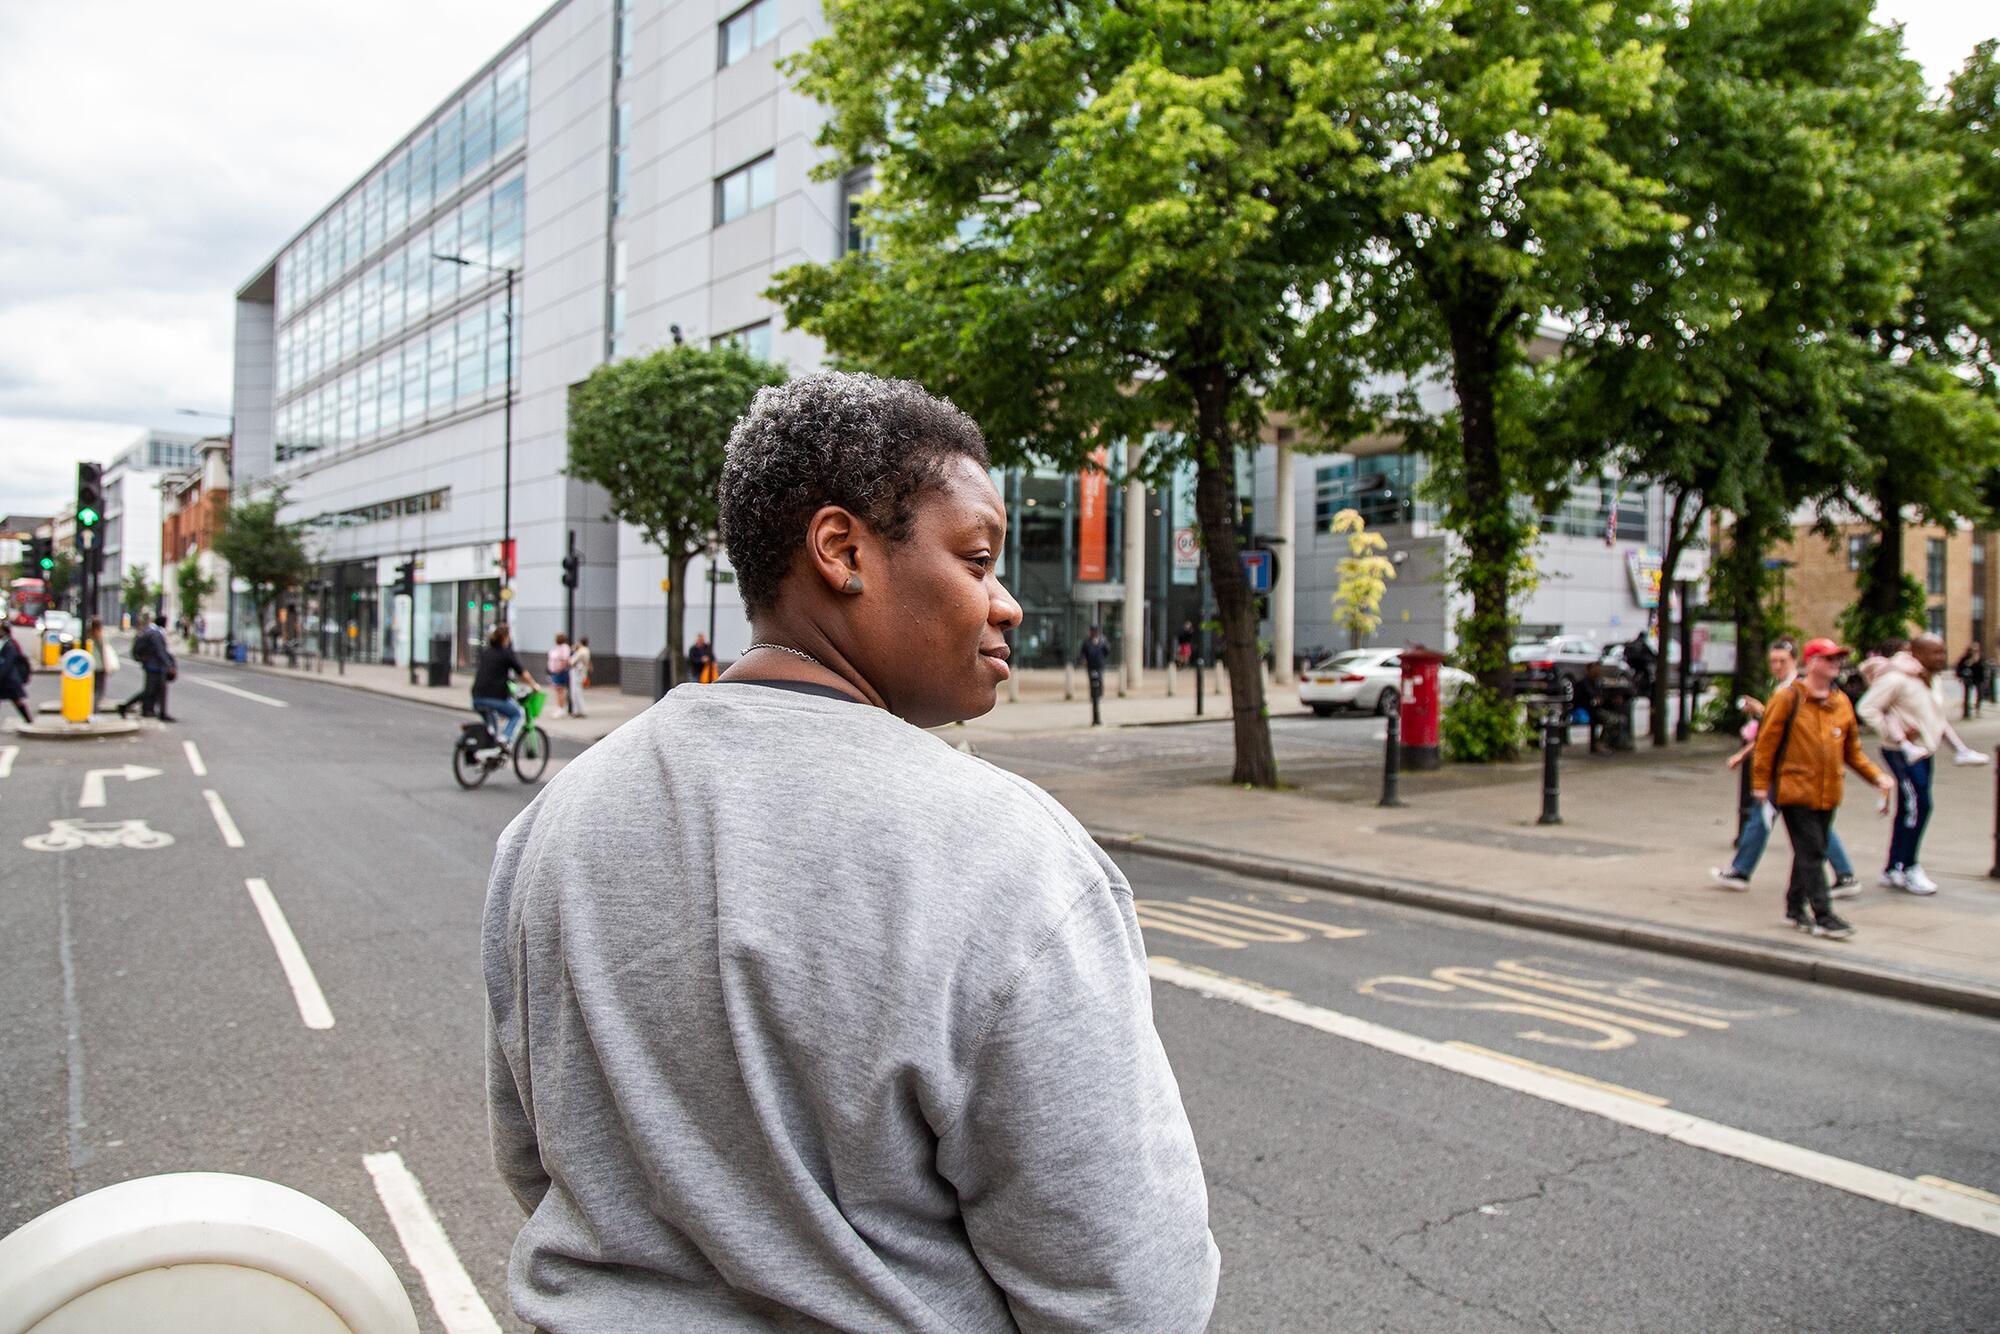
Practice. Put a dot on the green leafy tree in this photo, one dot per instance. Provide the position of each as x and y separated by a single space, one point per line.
651 430
1096 220
1364 578
1499 179
193 585
139 594
1711 352
264 552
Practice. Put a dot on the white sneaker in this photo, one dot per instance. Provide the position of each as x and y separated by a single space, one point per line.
1891 880
1728 879
1915 881
1971 757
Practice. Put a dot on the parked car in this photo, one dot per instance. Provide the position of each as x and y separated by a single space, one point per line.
1365 678
1552 666
63 625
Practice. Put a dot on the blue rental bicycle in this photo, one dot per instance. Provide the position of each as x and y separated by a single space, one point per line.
479 752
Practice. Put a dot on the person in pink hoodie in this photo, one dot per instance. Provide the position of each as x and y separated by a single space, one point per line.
1904 709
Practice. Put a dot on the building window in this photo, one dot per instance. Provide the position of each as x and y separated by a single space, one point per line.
1934 621
746 189
752 338
1382 489
1934 566
1600 508
621 134
624 37
746 30
856 239
1859 548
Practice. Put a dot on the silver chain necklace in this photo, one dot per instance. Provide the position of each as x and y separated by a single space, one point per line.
796 653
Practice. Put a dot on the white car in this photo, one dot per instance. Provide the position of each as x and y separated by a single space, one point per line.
1365 678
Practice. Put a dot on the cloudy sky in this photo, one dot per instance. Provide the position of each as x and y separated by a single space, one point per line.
153 155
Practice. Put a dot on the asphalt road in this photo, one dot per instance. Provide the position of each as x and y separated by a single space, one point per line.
1352 1185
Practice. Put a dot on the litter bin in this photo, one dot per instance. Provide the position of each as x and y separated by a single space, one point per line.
440 666
239 653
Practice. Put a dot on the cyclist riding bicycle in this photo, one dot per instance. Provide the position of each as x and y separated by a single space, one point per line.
499 664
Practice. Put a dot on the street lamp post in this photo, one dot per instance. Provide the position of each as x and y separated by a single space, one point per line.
507 553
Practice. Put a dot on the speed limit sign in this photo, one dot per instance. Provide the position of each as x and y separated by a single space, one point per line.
1187 551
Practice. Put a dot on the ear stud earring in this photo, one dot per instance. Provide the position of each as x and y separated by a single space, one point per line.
853 584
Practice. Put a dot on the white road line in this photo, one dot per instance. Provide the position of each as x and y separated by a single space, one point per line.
7 754
231 835
194 759
457 1302
1855 1178
305 987
233 690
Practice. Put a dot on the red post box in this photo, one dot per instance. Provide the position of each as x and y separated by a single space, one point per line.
1422 707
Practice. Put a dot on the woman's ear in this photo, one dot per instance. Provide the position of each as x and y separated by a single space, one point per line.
833 546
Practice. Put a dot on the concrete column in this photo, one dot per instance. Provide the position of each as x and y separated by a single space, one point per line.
1284 609
1135 570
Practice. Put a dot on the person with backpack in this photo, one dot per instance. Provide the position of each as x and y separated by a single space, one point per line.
1809 734
156 660
15 673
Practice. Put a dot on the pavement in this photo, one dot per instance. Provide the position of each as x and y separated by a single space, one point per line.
1629 862
1407 1120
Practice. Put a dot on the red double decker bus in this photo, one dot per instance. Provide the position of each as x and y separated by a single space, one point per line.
27 599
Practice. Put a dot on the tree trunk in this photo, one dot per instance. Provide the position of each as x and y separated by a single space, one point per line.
1215 509
261 609
1882 590
1486 525
1662 673
1744 565
677 563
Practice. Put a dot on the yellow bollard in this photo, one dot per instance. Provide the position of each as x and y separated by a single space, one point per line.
79 686
51 649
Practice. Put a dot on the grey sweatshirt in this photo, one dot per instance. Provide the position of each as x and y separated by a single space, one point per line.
800 1018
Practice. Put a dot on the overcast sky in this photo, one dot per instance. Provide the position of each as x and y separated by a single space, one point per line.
152 155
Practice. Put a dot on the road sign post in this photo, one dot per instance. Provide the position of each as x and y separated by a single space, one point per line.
79 686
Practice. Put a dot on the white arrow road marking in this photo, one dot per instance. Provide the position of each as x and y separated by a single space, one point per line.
194 760
7 754
458 1304
231 835
232 690
305 987
1918 1196
93 782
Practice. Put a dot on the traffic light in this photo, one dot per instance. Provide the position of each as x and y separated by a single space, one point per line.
571 564
406 578
89 494
41 554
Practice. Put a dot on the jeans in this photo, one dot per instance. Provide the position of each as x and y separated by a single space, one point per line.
511 715
1750 848
1809 829
1913 807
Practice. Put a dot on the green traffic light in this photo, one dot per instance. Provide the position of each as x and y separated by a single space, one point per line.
86 516
48 564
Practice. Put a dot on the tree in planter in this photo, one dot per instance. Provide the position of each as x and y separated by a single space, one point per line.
139 594
194 585
264 552
1105 221
1499 180
651 430
1364 577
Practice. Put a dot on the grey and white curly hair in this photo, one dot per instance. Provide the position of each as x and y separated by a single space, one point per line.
868 445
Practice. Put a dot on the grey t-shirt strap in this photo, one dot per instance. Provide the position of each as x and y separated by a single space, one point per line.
804 688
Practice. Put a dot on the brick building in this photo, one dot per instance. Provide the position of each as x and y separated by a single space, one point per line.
193 506
1956 570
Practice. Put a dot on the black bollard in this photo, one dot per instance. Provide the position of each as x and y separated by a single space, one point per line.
1197 687
1552 742
1392 761
1743 801
1994 874
1096 695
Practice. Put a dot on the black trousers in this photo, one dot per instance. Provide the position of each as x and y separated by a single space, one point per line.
152 696
1809 830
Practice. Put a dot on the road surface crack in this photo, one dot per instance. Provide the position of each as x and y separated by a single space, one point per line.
1540 1191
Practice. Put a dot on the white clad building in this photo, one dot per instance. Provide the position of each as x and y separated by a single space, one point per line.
644 172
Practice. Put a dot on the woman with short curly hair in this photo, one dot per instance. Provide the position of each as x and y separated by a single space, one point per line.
801 1017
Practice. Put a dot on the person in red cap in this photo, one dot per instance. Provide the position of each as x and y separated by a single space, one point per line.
1809 734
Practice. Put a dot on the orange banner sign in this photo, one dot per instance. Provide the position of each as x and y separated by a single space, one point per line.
1092 532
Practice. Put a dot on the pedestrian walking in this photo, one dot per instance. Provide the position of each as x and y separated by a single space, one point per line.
800 1017
579 675
1973 671
1808 735
155 657
1640 661
701 660
1184 644
106 657
15 673
1093 655
559 661
1783 661
1903 708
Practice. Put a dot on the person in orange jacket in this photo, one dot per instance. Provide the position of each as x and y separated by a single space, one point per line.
1809 735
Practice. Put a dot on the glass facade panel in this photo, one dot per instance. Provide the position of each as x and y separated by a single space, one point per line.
752 338
1382 489
746 189
747 29
1600 508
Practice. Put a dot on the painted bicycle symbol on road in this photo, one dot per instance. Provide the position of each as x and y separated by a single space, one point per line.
68 835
